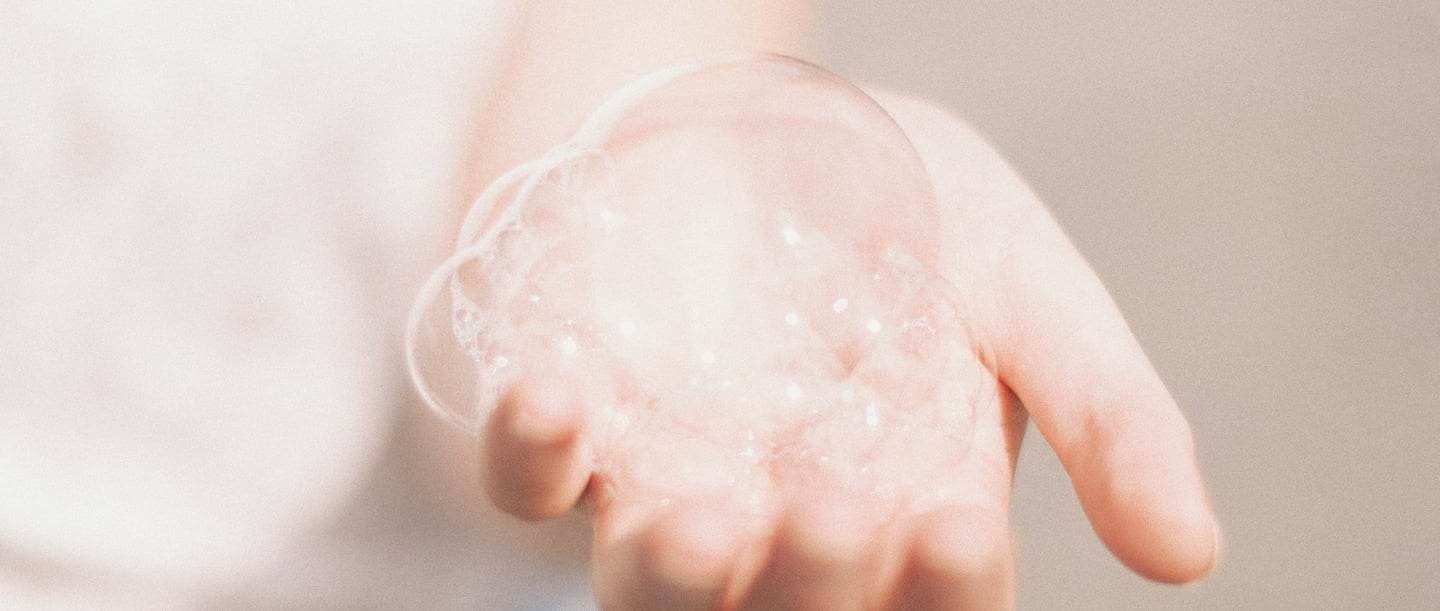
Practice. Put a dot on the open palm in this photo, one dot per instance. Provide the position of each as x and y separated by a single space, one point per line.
677 526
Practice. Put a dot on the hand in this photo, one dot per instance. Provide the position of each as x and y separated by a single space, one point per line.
1049 342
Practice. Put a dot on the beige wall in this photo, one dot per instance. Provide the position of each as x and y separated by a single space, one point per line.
1259 185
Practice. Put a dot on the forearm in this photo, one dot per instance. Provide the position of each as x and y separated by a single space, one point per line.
567 57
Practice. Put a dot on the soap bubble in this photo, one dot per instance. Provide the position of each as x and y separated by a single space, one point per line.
745 251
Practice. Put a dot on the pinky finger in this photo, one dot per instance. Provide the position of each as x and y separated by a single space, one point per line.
534 455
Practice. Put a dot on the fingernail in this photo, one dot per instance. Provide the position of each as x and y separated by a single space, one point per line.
1216 552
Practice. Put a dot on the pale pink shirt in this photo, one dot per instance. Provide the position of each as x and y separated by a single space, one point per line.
212 217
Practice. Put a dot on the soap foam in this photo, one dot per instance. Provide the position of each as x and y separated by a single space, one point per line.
746 254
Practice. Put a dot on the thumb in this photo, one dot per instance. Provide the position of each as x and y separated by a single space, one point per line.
1067 353
1056 338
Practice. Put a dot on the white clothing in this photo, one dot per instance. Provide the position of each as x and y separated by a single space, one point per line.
212 217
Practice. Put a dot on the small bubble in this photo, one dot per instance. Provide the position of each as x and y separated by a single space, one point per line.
568 346
872 325
792 237
794 392
792 319
840 305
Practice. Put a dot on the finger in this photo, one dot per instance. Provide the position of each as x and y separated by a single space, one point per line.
957 558
534 456
681 559
1056 338
818 560
1095 397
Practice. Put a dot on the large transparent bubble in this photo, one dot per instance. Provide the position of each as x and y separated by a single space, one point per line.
744 255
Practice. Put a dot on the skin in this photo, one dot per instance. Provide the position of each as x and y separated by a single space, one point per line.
1044 328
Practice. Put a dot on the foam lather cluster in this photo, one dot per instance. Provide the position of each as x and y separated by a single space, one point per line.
742 257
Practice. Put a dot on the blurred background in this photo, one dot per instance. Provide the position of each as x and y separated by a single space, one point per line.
1258 183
